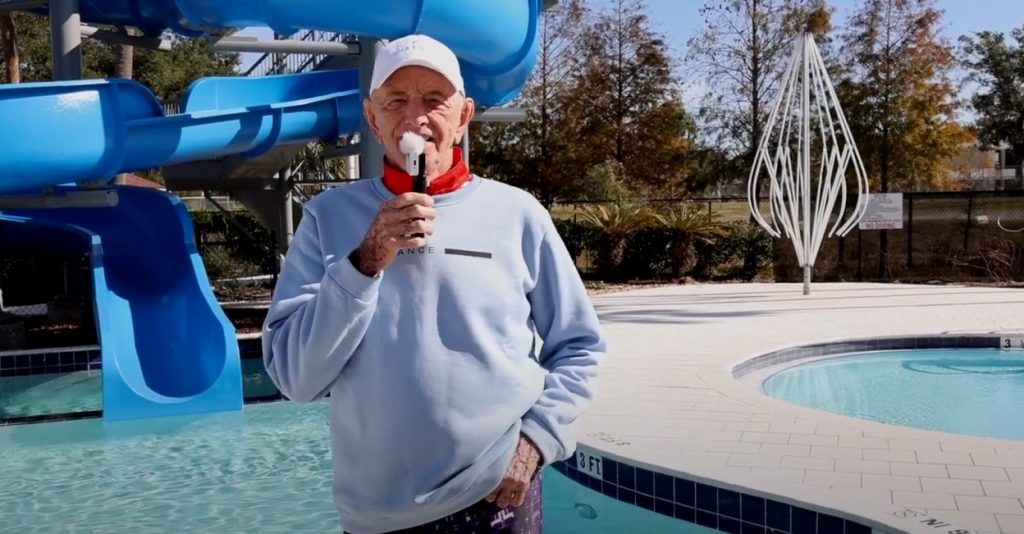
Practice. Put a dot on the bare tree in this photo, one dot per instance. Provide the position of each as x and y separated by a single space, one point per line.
740 55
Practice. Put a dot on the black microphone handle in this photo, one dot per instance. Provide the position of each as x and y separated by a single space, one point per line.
419 182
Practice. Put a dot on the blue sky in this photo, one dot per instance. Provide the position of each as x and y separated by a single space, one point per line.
678 20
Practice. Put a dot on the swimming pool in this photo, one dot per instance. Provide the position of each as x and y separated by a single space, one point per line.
266 469
82 391
976 392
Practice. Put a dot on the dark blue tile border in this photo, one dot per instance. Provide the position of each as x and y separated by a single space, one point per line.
700 503
57 361
752 509
664 487
855 528
50 418
645 481
250 348
49 361
805 522
827 523
93 414
777 515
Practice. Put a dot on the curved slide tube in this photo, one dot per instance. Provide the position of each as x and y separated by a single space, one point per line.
91 130
495 40
167 347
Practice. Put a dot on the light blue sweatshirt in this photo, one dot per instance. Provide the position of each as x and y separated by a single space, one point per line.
433 366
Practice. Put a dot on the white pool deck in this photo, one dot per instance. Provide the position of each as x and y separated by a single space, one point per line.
668 399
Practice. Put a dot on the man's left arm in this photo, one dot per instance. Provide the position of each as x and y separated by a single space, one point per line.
572 349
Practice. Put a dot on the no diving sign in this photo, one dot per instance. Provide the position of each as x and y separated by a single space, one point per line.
884 212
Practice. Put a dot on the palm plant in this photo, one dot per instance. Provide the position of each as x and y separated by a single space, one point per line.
615 222
688 226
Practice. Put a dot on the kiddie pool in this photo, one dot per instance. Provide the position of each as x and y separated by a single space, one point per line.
971 391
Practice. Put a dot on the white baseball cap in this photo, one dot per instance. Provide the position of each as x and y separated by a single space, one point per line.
416 50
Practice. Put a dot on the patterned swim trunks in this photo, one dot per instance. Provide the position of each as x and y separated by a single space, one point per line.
487 518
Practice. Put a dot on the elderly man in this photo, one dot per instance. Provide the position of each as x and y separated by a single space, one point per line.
419 314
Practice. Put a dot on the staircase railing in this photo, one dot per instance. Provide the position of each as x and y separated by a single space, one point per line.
281 63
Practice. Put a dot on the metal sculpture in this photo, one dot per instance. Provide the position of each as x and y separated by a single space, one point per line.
806 129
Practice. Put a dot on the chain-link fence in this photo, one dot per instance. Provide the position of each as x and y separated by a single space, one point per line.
239 254
45 299
971 236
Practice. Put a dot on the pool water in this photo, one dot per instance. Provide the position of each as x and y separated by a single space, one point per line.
266 469
82 391
978 392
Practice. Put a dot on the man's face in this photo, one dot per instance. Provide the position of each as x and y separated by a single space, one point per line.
420 100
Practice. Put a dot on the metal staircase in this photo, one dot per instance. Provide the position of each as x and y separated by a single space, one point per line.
274 186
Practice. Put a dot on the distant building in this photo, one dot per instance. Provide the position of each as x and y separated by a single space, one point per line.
986 169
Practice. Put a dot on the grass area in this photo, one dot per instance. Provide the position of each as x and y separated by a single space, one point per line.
1006 208
727 211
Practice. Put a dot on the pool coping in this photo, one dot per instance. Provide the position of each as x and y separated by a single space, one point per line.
770 361
769 513
706 389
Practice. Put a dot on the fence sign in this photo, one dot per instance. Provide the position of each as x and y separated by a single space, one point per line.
884 212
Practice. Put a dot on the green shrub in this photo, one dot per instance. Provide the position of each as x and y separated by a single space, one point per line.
634 243
233 244
757 248
615 224
647 255
744 252
578 237
687 227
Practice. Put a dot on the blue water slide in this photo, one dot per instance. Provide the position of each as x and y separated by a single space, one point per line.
91 130
167 347
495 40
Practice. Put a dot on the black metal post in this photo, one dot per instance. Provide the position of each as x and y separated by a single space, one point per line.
967 225
910 230
860 255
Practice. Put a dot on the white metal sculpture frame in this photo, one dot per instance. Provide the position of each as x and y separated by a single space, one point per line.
807 126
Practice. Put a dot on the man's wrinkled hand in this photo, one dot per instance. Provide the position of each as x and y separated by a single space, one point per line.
512 490
395 227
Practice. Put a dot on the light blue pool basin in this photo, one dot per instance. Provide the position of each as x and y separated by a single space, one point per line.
970 391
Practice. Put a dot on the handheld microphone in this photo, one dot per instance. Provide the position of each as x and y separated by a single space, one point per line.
413 145
419 181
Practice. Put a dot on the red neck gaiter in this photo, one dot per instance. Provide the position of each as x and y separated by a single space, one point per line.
398 181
